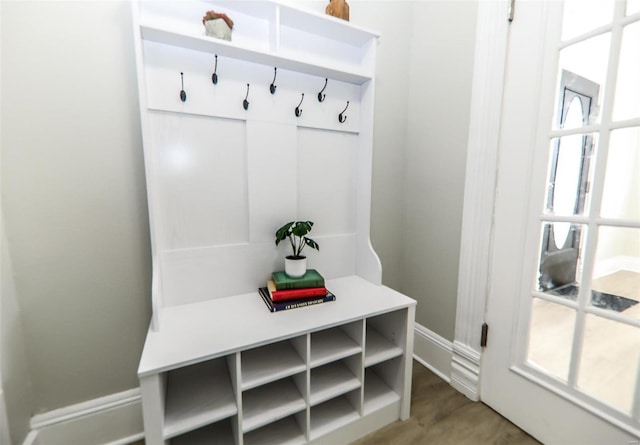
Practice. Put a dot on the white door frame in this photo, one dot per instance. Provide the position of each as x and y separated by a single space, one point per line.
480 184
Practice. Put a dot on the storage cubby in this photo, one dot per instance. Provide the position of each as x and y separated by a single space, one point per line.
385 337
334 379
220 433
333 344
217 366
272 401
287 431
334 413
272 362
197 395
381 385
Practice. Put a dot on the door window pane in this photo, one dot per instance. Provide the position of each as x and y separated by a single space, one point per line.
621 193
616 279
581 16
587 59
627 99
550 338
569 174
633 6
609 363
560 259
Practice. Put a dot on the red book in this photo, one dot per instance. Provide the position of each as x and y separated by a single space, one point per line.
294 294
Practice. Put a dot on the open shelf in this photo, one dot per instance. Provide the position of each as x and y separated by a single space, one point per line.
269 363
331 345
198 395
331 415
378 348
283 432
377 394
336 71
270 402
219 433
330 381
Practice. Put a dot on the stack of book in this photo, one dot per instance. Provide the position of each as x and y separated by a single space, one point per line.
284 292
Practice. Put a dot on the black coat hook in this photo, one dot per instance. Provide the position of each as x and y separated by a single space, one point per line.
273 85
183 94
341 116
298 109
320 95
214 76
245 102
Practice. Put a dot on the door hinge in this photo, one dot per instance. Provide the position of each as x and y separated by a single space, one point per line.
512 8
483 335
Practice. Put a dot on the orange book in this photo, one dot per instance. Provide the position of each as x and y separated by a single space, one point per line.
294 294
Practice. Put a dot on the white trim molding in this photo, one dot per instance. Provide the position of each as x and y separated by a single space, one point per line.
479 192
465 371
115 419
433 352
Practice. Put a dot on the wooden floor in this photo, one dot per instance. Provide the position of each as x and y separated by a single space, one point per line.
441 415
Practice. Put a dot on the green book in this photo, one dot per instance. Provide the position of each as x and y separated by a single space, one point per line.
310 279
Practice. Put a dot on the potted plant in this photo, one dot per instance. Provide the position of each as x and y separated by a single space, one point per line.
217 24
295 265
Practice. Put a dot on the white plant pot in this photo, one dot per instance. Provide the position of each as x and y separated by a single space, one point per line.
217 28
295 267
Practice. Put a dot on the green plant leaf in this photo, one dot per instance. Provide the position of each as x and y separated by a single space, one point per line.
283 232
301 228
311 243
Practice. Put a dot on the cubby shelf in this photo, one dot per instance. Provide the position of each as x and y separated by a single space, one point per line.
330 381
219 433
378 348
283 432
291 378
190 403
331 415
270 402
377 394
331 345
269 363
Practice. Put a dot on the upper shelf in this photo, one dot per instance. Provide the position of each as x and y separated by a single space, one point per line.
318 24
268 33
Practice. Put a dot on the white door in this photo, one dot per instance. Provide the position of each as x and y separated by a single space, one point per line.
563 353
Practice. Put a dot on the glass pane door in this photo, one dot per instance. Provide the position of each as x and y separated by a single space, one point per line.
584 317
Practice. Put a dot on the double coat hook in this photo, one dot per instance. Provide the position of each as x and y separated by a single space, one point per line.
298 109
245 102
320 95
273 86
341 116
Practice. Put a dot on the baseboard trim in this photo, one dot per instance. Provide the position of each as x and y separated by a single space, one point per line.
31 439
115 419
433 351
465 370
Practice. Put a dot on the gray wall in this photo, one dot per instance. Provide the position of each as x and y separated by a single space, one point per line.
73 196
14 369
439 98
73 188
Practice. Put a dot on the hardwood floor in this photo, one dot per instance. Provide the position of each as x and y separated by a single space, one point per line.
441 415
